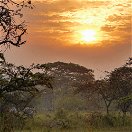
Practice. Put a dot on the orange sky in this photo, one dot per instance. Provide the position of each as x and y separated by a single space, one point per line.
93 33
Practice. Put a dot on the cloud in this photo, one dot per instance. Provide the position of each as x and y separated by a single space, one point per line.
108 28
58 19
67 5
53 22
118 18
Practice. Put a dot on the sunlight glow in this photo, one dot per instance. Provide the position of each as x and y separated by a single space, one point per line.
88 35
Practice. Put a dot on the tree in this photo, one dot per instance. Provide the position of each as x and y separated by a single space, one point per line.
102 87
70 72
121 82
129 62
116 86
18 87
12 27
97 90
18 78
66 75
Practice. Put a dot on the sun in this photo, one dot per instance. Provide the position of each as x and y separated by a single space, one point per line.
88 35
85 36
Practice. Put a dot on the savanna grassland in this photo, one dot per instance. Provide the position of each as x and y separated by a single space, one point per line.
62 96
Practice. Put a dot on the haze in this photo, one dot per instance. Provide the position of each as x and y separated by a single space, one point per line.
95 34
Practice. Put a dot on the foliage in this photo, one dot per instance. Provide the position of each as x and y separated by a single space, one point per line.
68 67
61 119
121 82
129 62
99 120
18 88
12 27
66 121
107 94
70 72
71 103
115 87
65 76
97 90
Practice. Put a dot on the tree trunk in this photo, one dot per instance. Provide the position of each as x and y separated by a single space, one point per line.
107 106
107 109
124 117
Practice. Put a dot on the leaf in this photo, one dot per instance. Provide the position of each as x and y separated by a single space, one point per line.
2 57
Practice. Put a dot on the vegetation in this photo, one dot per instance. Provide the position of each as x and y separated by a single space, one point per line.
75 100
12 27
62 120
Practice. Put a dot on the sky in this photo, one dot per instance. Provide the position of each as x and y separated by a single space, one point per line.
93 33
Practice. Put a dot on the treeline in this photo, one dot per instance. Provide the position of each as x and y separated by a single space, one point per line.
74 83
68 84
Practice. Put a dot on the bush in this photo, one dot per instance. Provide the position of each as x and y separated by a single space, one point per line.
61 119
10 122
65 119
99 120
95 119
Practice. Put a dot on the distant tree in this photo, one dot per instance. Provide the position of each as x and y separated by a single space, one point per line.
70 102
117 86
129 62
66 75
121 82
97 90
102 87
70 72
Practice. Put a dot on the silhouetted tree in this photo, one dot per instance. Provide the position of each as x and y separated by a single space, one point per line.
18 86
96 90
71 72
106 92
121 82
17 82
12 26
129 62
66 75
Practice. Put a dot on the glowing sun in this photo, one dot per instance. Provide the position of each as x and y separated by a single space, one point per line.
88 35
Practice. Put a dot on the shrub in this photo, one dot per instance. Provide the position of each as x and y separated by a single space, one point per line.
61 119
95 119
99 120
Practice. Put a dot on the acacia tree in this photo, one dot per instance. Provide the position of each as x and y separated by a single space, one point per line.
121 82
97 90
12 26
66 76
117 87
17 80
102 87
18 87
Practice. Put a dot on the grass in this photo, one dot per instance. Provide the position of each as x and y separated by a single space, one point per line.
121 129
63 121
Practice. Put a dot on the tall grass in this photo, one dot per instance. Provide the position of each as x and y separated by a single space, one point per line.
64 121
